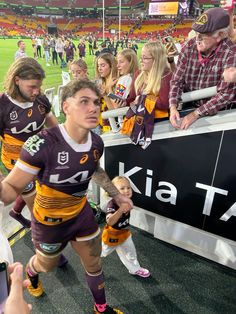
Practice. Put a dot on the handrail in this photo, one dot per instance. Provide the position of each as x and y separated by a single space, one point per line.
186 97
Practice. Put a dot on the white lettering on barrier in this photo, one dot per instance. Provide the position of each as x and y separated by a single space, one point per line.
171 192
230 212
211 190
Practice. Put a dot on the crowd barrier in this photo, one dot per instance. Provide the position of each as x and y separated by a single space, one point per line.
183 183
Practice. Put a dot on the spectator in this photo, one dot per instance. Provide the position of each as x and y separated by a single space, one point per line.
39 47
106 75
21 51
151 89
46 47
60 50
15 302
127 65
79 69
81 49
201 64
69 49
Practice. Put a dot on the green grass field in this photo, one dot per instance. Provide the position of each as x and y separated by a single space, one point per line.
8 48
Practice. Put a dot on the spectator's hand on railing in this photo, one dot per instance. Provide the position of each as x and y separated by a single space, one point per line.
188 120
174 117
229 75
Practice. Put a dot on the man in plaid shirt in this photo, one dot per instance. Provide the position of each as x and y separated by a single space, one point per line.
201 64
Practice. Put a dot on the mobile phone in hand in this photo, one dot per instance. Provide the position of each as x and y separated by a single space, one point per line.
169 40
114 96
4 285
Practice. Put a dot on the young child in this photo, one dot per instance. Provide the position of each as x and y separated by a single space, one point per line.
79 69
117 236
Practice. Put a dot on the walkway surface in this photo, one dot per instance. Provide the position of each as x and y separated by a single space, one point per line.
181 282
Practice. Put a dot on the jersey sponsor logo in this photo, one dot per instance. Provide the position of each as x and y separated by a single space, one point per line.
30 112
29 128
83 159
13 115
49 247
124 223
63 158
32 145
77 177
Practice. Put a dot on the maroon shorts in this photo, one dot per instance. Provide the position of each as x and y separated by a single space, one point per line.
50 240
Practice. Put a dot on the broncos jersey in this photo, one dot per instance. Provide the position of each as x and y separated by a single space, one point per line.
19 121
123 222
63 168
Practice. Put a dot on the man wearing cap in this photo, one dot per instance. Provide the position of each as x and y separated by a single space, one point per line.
201 64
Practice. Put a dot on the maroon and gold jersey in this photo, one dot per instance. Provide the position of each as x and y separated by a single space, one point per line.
123 222
118 233
63 168
19 121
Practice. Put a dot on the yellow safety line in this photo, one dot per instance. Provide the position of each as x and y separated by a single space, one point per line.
18 236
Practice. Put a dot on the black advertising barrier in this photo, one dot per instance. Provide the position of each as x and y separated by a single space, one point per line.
189 179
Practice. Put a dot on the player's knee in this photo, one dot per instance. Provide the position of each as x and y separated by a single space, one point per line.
94 265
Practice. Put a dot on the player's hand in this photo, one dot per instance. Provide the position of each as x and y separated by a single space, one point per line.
15 302
124 208
120 199
174 117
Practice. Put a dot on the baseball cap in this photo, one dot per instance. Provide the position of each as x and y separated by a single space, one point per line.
211 20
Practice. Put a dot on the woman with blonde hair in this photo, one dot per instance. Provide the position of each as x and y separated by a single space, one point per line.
155 75
79 69
151 88
127 65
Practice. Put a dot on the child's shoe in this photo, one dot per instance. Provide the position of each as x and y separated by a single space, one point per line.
108 310
142 272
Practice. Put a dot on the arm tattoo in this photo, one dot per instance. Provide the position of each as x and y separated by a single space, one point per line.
101 178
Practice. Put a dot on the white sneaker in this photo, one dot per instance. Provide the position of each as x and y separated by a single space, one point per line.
142 272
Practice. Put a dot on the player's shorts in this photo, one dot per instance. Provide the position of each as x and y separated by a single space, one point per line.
50 240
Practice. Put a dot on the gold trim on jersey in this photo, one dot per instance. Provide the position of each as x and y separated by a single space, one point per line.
52 207
11 148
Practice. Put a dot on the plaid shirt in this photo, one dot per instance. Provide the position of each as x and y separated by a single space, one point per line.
191 75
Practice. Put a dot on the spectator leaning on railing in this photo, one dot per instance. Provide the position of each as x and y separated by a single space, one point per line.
201 64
